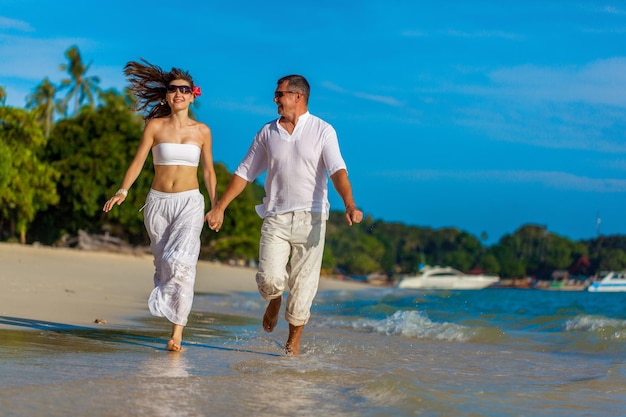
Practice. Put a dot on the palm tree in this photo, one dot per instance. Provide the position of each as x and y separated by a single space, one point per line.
43 104
80 86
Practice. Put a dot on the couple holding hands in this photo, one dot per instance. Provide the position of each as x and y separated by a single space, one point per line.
297 151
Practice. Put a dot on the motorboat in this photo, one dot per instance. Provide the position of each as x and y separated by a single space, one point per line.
611 282
446 278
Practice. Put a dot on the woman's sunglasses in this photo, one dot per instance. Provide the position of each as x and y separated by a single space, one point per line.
184 89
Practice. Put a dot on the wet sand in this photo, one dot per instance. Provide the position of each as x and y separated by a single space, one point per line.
78 287
378 352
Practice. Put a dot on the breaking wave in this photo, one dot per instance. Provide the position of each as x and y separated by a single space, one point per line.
406 323
612 328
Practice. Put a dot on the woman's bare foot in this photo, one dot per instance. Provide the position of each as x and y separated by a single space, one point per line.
270 318
174 346
293 342
176 339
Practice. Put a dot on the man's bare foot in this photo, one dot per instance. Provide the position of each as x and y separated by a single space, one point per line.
174 346
270 318
292 348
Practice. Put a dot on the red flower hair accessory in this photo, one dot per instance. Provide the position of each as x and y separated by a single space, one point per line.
196 91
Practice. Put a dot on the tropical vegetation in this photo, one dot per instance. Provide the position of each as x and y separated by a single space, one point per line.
57 169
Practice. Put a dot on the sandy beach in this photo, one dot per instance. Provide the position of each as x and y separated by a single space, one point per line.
77 287
375 351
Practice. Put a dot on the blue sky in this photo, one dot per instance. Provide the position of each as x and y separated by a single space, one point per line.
482 115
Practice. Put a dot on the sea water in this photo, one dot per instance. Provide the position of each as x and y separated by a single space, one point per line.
375 352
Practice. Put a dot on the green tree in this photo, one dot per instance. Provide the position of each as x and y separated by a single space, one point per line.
42 102
452 247
6 164
351 248
3 96
605 252
613 260
512 268
489 263
238 239
539 251
28 183
404 245
79 85
508 254
532 242
561 253
93 151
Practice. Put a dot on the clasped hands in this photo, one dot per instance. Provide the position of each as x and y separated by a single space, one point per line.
215 219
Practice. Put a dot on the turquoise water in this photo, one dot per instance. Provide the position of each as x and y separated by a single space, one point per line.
378 352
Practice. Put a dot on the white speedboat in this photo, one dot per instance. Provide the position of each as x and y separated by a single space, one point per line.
611 282
446 278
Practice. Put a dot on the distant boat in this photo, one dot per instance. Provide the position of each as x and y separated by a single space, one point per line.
561 280
612 282
446 278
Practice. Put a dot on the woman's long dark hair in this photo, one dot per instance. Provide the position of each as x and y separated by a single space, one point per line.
148 83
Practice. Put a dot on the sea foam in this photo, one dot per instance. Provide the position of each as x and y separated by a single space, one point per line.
407 323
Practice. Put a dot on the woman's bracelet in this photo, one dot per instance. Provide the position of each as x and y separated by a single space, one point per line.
122 191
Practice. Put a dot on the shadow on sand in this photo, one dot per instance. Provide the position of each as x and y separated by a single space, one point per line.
120 336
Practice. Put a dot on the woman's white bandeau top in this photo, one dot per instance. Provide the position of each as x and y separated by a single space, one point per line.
176 154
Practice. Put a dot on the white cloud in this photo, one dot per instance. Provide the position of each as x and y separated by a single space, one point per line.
33 59
550 179
597 82
617 164
613 10
567 107
366 96
414 34
556 126
20 25
481 34
454 33
27 61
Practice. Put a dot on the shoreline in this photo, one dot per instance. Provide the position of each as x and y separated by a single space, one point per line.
78 287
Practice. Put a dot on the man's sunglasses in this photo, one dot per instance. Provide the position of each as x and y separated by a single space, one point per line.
184 89
279 94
